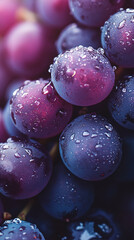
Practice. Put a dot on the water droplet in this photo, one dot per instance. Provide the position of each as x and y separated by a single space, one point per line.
37 103
85 134
108 134
5 146
72 136
17 155
28 151
80 227
32 160
129 10
98 146
109 127
124 90
19 105
93 135
17 220
77 141
122 24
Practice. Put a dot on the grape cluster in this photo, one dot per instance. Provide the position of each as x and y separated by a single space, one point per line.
66 119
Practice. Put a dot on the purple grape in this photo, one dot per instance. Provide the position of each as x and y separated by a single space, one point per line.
74 35
19 230
54 12
38 111
28 48
118 38
82 76
8 15
90 147
121 102
66 197
25 168
94 13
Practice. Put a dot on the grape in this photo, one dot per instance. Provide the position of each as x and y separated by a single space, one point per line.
25 168
38 111
54 12
94 13
28 49
8 15
120 102
90 147
66 197
82 76
118 38
74 35
18 230
99 225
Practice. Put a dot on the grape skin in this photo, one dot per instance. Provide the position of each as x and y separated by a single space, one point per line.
90 147
82 76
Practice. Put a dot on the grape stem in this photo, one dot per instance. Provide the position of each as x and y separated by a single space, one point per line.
54 151
22 215
24 14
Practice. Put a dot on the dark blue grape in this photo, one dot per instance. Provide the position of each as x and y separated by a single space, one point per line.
25 168
121 102
82 76
118 38
66 197
19 230
90 147
99 225
94 13
74 35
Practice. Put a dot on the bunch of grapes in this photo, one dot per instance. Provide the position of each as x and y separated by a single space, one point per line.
66 119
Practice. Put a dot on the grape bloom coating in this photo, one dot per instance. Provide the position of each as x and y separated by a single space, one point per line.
38 111
82 76
90 147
